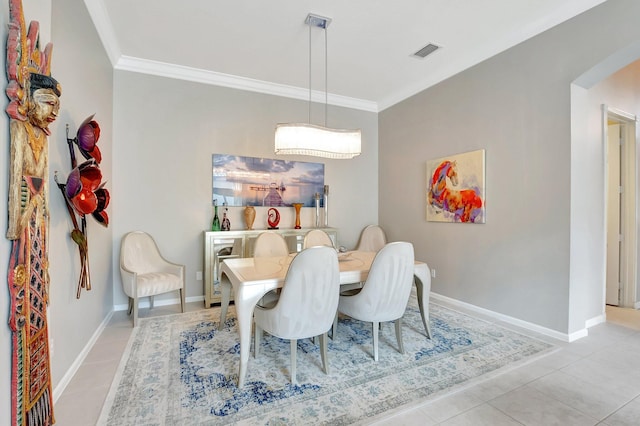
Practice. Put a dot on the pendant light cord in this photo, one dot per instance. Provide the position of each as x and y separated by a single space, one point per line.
309 120
326 76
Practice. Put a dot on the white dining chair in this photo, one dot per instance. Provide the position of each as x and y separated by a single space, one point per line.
372 238
316 237
307 303
270 244
146 273
385 293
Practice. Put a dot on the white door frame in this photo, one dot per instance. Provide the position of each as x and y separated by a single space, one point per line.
628 249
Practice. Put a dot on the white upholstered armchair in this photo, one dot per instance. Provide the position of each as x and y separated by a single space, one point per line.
145 273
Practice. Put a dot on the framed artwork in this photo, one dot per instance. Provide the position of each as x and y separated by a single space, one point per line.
455 188
251 181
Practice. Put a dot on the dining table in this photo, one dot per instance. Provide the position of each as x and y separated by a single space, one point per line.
251 278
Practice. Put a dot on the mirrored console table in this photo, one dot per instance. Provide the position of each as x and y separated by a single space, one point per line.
220 245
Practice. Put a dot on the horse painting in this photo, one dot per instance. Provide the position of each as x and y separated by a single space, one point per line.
464 205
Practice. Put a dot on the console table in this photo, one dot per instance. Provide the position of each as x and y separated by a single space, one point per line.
220 245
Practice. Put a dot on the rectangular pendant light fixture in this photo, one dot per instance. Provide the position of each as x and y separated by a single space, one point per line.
317 141
314 140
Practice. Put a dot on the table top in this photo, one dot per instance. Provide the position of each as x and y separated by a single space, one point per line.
354 267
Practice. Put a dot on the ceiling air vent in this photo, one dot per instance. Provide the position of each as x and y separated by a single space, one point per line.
427 50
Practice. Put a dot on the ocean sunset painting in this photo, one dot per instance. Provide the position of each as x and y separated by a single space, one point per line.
251 181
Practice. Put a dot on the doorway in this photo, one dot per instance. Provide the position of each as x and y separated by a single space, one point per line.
621 266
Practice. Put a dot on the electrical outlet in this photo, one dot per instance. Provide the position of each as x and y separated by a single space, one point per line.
199 276
433 273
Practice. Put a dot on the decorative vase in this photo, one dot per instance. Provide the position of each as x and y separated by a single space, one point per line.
226 223
215 225
297 207
249 216
273 218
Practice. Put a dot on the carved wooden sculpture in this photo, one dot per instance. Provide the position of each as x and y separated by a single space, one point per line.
33 105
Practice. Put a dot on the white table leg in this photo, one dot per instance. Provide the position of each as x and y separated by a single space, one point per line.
245 315
225 292
245 302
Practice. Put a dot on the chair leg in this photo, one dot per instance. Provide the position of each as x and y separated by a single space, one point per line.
256 340
376 326
150 302
323 353
294 348
135 312
130 306
334 329
399 335
182 291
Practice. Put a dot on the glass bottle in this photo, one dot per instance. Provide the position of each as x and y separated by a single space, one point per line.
316 197
326 206
215 226
226 223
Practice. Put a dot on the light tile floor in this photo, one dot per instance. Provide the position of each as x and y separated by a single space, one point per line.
592 381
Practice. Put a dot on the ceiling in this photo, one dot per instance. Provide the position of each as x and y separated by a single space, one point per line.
265 46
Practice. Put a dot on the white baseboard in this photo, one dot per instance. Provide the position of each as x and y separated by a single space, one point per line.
511 320
577 335
66 379
596 320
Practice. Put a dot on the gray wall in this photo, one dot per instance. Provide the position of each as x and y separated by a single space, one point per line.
166 132
517 106
620 91
83 69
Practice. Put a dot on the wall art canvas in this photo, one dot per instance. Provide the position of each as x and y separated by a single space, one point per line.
456 188
251 181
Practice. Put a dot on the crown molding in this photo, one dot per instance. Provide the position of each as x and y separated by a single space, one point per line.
180 72
104 28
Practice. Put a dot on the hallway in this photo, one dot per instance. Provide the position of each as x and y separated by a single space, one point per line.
626 317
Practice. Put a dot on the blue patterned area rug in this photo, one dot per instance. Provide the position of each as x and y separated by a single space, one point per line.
181 370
